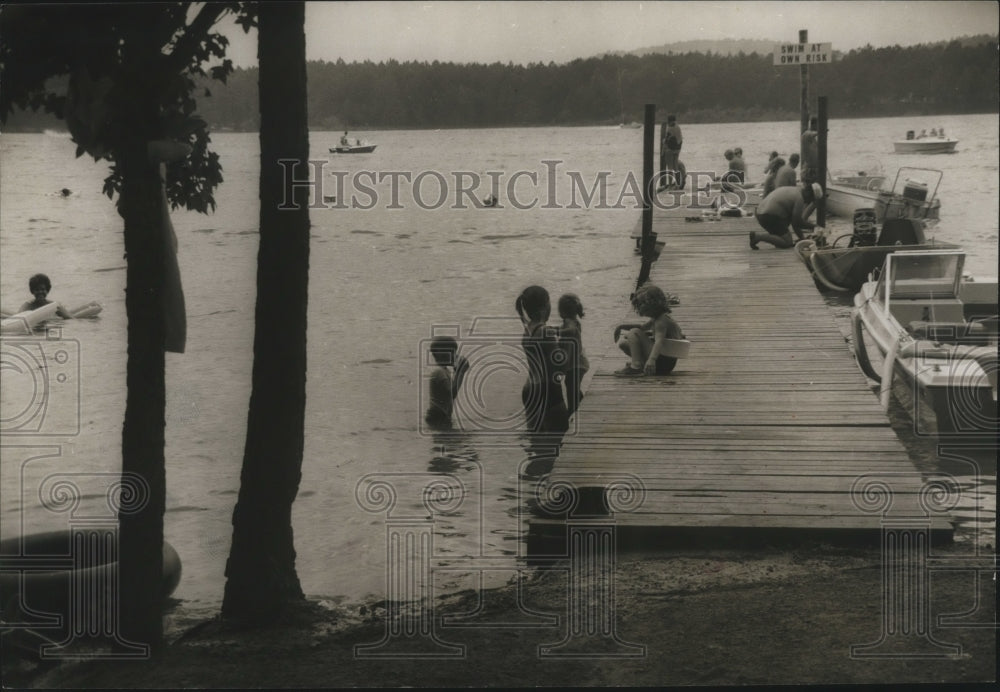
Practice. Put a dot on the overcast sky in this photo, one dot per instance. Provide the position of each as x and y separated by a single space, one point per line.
523 32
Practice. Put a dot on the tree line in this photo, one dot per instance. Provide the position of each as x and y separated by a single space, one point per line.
929 79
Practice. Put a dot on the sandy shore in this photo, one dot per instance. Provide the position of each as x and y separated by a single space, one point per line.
695 617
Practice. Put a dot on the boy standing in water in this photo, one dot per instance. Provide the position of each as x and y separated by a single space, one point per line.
444 385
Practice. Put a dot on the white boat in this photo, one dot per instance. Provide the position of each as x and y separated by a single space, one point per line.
934 144
913 195
363 148
929 336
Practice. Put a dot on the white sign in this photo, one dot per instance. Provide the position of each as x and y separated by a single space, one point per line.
803 53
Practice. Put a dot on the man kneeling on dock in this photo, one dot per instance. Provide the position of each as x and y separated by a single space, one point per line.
786 206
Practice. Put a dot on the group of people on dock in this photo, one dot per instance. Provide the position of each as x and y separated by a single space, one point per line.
786 206
555 357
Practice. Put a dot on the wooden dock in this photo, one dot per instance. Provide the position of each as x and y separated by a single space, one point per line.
768 427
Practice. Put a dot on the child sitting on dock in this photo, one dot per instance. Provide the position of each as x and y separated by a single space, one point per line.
443 384
646 343
571 310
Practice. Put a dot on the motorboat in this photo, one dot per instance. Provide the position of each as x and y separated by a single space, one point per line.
363 148
928 335
913 195
844 263
924 144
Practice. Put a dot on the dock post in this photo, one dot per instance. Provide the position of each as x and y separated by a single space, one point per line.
821 202
648 237
804 85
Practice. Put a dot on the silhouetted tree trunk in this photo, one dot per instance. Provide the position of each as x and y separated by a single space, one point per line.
261 575
140 205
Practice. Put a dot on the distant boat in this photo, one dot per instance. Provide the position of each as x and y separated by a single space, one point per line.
934 144
353 149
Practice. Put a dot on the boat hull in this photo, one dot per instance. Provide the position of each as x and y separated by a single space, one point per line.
844 200
847 269
367 149
925 146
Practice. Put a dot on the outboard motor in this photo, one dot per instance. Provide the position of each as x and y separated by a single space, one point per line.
864 228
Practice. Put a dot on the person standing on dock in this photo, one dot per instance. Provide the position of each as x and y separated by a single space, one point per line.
810 153
770 180
785 177
672 143
786 206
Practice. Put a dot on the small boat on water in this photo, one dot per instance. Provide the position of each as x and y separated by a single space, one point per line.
928 334
844 263
913 195
363 148
925 144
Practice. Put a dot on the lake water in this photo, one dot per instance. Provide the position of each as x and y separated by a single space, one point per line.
382 280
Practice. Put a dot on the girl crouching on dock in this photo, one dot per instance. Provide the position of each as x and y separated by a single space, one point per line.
646 343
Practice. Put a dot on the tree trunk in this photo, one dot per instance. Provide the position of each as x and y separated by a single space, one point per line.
141 514
261 576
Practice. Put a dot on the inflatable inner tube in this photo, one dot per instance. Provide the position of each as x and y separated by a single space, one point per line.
47 590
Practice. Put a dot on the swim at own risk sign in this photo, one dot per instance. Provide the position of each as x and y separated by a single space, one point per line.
803 53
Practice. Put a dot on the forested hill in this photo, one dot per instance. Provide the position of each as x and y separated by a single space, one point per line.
956 77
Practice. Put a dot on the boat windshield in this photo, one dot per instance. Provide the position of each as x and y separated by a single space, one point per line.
924 275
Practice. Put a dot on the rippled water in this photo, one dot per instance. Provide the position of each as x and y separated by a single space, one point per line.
381 279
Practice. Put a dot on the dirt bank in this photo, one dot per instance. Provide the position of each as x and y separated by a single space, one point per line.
770 616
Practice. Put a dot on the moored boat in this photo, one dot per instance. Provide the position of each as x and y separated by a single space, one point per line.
844 263
913 195
929 336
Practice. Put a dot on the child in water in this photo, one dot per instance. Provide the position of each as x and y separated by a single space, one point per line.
645 343
40 286
571 310
444 385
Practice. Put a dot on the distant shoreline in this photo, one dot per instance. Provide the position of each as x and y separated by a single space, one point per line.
790 116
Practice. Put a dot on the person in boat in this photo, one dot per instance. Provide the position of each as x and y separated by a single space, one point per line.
344 142
785 176
445 380
923 133
542 394
809 152
770 179
934 132
784 211
571 331
40 287
644 343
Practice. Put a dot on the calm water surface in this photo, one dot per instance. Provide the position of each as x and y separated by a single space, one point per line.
380 280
